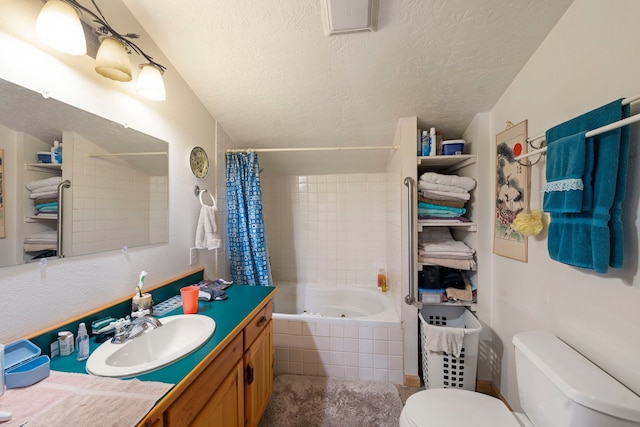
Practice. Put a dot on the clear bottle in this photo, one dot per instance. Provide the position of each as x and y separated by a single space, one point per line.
382 280
82 342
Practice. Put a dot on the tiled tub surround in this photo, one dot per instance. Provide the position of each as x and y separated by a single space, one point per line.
327 229
367 347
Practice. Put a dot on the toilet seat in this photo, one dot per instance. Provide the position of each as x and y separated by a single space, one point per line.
454 408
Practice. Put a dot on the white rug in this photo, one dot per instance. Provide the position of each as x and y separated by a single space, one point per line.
308 401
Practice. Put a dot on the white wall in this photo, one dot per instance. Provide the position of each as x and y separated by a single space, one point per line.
35 297
590 58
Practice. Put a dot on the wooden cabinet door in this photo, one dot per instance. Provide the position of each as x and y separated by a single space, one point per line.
225 408
258 376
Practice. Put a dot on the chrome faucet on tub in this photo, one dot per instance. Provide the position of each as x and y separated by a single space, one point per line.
137 327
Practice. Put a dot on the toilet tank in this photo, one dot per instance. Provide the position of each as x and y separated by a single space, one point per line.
559 387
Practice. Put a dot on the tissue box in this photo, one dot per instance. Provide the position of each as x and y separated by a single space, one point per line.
23 364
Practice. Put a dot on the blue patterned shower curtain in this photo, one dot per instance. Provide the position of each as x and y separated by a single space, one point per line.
247 245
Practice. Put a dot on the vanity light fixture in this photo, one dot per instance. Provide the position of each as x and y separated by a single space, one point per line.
57 21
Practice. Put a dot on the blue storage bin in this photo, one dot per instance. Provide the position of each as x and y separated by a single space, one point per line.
453 147
24 365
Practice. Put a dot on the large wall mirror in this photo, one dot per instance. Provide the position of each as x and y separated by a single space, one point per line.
118 192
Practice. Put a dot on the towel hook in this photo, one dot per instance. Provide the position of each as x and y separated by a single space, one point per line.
542 144
198 193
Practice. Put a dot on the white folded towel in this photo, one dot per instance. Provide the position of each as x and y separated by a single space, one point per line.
207 230
463 182
443 338
446 246
34 185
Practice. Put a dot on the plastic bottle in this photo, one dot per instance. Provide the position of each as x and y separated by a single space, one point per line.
426 143
432 140
82 342
382 280
56 155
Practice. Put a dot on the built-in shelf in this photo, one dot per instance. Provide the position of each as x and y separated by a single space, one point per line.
36 218
473 306
446 163
470 226
50 167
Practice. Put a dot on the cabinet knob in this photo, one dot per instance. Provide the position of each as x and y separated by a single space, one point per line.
262 321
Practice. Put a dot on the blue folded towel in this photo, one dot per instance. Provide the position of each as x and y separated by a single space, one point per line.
590 238
566 159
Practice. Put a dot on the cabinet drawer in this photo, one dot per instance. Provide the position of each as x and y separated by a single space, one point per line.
193 399
257 324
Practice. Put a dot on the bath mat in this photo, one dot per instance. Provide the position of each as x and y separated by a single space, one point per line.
309 401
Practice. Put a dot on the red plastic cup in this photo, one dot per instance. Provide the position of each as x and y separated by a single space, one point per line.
189 295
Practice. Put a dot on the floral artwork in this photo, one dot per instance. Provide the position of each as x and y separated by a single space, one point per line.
511 192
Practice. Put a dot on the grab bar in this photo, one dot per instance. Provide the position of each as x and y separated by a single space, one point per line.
409 183
63 184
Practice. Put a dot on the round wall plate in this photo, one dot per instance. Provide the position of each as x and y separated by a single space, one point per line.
199 162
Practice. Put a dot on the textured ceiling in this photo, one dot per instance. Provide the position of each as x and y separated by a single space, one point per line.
271 77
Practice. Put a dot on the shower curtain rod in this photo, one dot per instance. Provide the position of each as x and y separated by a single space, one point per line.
615 125
273 150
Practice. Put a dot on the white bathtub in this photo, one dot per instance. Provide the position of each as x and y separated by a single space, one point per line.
345 332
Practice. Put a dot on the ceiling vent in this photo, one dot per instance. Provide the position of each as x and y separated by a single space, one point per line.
349 16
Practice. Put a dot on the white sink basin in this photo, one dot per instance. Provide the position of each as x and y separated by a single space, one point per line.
177 337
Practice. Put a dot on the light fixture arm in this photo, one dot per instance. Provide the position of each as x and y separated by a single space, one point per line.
106 29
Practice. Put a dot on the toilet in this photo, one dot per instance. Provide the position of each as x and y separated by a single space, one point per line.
558 387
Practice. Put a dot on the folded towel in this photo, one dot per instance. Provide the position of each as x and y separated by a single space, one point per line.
34 185
460 264
434 219
459 211
207 236
47 189
463 182
566 159
424 185
44 194
445 195
446 247
450 203
42 200
442 338
465 294
42 237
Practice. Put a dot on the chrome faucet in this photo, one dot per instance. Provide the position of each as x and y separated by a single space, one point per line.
137 326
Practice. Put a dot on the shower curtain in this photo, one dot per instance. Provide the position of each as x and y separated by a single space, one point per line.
249 261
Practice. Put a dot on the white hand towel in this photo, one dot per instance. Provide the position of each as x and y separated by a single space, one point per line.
463 182
207 230
443 338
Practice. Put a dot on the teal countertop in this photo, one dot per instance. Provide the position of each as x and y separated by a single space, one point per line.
227 314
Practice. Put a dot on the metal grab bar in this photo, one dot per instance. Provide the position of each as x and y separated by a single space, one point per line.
63 184
410 298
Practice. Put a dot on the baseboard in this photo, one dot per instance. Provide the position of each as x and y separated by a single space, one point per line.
488 387
412 381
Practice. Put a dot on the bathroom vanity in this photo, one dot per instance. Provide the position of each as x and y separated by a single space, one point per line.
231 386
227 381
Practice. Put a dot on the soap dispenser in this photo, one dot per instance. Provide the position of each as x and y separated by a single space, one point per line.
82 342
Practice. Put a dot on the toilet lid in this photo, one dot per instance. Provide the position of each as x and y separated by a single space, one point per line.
454 408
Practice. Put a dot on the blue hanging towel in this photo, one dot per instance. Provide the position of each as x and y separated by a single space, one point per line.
592 238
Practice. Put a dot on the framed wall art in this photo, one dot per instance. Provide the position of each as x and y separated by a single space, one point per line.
511 192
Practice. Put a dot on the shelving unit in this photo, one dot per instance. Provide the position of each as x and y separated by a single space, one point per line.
444 165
